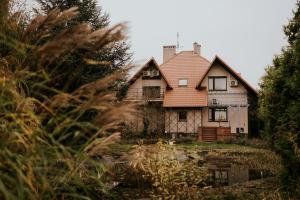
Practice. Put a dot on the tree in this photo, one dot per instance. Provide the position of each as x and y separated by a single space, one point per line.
280 106
90 65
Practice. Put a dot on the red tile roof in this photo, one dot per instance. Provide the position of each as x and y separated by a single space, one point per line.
194 68
190 66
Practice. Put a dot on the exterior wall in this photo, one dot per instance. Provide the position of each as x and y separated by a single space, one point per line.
235 99
173 125
237 118
154 115
135 91
150 115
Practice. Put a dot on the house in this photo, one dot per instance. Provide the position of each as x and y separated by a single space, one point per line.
189 95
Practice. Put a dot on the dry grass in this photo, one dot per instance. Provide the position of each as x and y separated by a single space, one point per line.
49 138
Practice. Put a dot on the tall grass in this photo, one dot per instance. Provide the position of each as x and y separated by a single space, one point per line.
51 142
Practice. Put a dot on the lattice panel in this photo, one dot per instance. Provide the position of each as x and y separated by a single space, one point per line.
173 122
190 122
167 121
136 125
198 121
161 121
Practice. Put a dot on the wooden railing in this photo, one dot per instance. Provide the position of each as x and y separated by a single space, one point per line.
138 94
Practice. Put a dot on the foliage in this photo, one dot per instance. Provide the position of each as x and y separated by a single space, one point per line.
259 159
89 11
52 145
82 66
169 178
280 106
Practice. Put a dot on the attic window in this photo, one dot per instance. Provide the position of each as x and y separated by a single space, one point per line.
217 83
183 83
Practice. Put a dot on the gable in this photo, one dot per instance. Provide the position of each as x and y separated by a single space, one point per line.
219 67
150 66
218 71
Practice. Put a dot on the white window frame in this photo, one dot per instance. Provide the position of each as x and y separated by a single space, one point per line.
183 82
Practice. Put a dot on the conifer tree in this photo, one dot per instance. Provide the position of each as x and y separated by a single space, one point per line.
92 65
280 106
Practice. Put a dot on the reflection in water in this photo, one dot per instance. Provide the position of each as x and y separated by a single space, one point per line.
233 174
223 171
228 176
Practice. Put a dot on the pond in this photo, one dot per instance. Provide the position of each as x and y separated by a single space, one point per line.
198 168
222 170
230 174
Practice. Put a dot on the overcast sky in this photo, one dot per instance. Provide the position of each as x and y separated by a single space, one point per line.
245 33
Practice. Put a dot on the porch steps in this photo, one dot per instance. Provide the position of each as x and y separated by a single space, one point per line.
209 134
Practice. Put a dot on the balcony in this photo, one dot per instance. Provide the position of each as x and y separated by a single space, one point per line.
145 94
225 99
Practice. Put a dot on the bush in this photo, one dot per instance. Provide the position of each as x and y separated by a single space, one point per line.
168 177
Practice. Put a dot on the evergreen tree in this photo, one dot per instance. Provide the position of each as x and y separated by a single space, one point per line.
90 66
280 106
89 11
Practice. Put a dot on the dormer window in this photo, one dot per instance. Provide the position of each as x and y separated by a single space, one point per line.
183 83
217 83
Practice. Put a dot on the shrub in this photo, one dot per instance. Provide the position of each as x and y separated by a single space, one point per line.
169 178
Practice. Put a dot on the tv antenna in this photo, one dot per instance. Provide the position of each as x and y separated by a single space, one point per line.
178 42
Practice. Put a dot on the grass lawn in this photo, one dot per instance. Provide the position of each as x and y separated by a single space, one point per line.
210 146
118 149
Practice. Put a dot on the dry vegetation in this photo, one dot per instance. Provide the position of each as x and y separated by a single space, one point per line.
162 171
50 146
54 143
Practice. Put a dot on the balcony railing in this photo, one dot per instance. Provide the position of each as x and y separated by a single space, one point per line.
140 94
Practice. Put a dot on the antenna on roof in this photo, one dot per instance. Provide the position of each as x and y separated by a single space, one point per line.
178 44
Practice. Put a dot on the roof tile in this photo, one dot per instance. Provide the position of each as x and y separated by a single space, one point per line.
185 65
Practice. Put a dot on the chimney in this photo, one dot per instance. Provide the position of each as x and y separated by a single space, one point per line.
168 52
197 48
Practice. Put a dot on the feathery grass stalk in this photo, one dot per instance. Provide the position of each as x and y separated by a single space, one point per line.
51 141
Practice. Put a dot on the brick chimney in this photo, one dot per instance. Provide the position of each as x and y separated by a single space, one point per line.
197 48
168 52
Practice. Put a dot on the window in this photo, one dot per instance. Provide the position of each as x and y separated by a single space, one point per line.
151 73
217 114
217 83
183 82
155 73
182 116
218 176
151 91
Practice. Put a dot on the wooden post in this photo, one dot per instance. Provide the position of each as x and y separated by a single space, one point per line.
200 134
